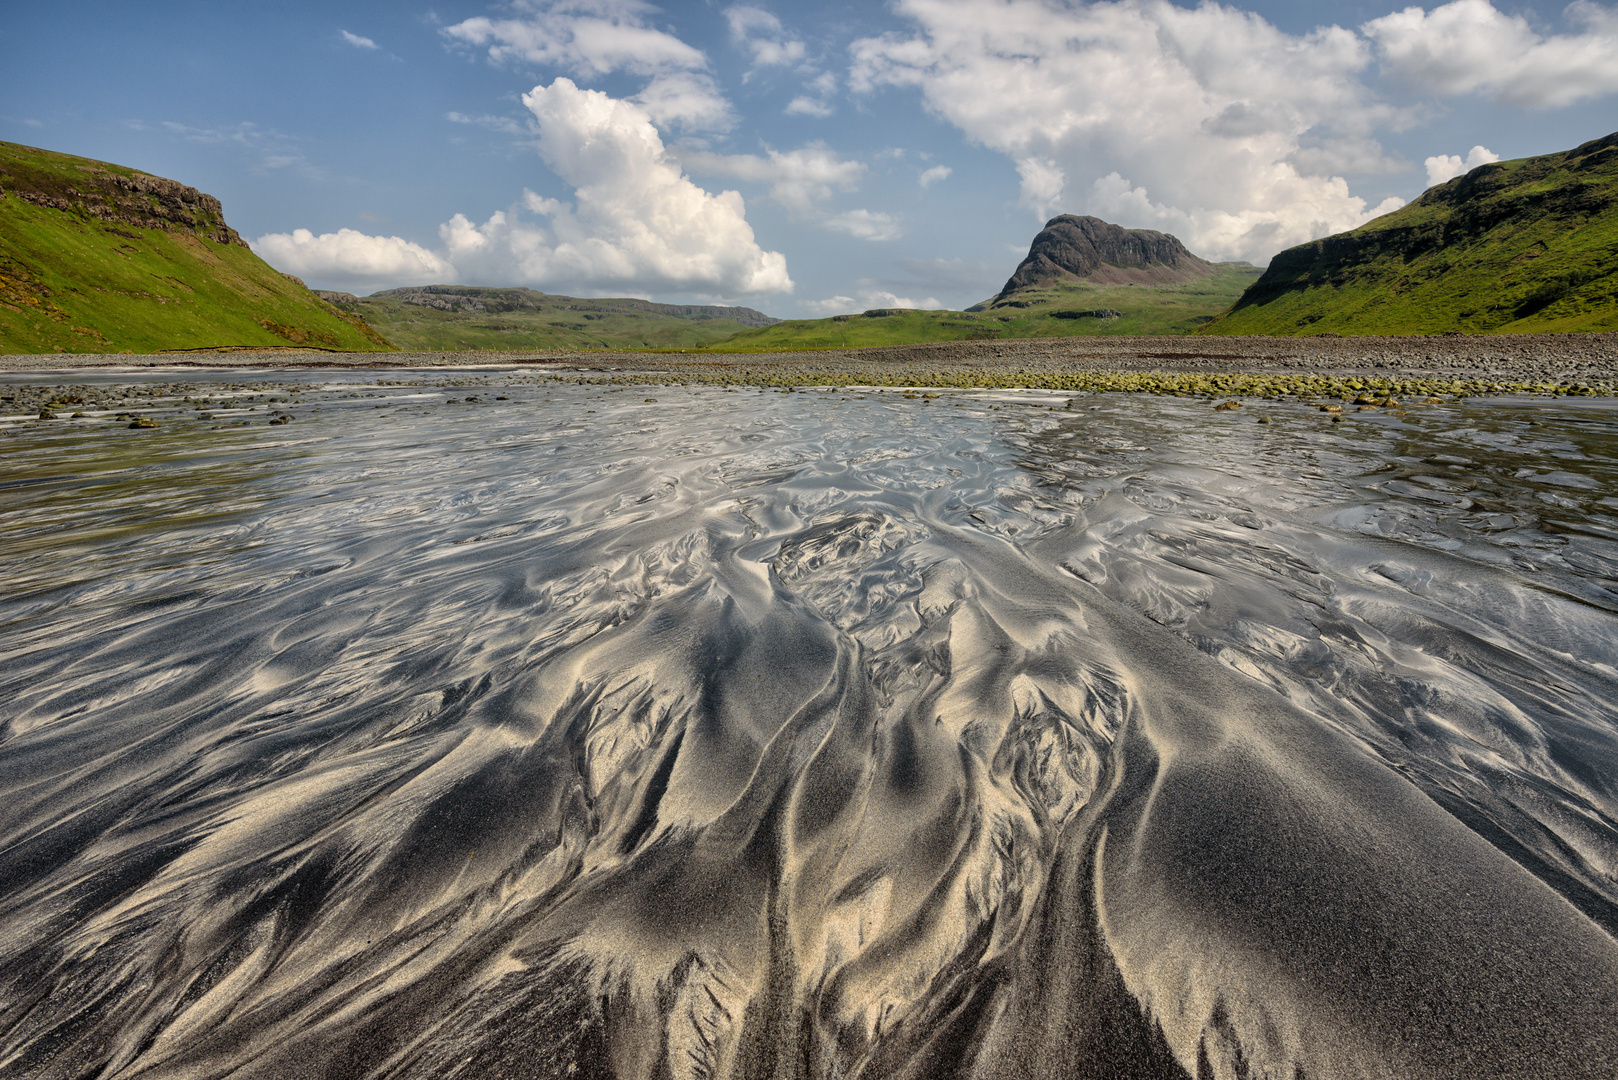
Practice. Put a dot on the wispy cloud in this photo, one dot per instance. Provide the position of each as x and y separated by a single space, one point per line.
808 106
762 34
607 37
799 179
817 101
602 38
268 149
933 175
359 42
504 124
867 298
866 225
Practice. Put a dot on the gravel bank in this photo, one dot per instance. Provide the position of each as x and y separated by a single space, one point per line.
1558 358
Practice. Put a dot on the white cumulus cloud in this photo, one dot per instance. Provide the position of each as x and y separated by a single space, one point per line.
1470 46
638 223
353 260
1445 166
1208 122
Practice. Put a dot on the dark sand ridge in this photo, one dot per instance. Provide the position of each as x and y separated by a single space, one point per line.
1520 358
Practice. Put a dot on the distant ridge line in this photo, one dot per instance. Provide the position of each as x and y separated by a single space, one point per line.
489 298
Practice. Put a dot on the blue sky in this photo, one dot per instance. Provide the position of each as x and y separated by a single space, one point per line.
801 159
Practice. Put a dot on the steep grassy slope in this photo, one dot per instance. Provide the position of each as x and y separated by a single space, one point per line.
1061 310
1521 246
100 258
453 317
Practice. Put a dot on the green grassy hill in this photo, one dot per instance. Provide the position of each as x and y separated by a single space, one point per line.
100 258
1525 246
455 317
1068 309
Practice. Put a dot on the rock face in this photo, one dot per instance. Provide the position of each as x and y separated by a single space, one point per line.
1088 249
115 198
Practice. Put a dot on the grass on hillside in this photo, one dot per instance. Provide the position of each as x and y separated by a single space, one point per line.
1525 246
556 323
71 283
1146 310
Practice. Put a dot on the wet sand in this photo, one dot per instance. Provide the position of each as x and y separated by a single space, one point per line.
476 724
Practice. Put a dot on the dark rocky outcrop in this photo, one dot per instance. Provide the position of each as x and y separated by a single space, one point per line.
120 198
1072 248
1095 313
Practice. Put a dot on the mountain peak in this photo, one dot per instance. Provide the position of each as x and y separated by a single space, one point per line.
1098 252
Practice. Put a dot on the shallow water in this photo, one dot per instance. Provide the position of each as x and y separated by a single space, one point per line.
822 734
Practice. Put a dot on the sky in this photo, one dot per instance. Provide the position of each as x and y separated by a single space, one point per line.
801 159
